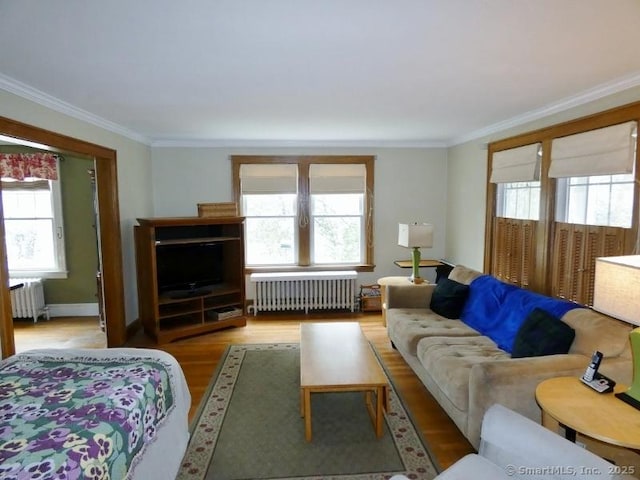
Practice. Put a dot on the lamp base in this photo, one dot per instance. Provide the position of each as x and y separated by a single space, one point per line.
626 398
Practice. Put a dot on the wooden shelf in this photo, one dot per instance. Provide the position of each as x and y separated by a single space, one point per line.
167 316
186 241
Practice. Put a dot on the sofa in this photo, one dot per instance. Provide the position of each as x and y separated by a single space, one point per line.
465 353
514 447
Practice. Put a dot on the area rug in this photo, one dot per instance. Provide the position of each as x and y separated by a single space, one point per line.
249 427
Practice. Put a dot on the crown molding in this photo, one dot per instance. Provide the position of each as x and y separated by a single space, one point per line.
237 143
25 91
29 93
595 93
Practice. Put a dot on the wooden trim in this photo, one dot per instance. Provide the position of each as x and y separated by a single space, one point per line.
625 113
304 235
110 238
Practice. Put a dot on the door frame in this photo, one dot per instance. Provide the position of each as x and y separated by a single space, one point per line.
108 232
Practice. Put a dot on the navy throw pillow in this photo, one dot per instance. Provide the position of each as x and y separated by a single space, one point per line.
542 334
449 297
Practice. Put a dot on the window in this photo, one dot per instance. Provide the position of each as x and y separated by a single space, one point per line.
605 200
519 200
306 211
33 227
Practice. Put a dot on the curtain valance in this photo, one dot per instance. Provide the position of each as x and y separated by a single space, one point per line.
29 165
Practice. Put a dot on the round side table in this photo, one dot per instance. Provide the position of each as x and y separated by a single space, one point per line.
597 415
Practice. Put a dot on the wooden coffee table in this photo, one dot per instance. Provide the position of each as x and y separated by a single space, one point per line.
336 357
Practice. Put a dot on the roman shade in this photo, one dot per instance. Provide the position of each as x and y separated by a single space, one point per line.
337 178
263 178
521 164
605 151
25 185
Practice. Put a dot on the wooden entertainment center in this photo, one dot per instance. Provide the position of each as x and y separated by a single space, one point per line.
216 245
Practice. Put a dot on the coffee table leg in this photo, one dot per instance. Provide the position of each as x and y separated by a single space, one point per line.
380 395
307 413
387 399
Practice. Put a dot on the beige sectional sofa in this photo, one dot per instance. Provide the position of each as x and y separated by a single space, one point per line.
467 372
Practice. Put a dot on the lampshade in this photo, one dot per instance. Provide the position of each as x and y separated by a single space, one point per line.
617 286
418 235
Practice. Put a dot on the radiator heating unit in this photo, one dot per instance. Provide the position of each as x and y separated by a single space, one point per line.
27 299
304 291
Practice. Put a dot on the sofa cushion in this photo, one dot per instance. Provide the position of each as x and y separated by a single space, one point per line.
542 334
462 274
406 326
518 304
449 297
449 360
595 331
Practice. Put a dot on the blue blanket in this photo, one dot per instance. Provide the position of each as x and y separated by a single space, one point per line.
498 310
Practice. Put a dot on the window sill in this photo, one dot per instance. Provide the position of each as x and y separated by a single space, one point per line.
38 274
311 268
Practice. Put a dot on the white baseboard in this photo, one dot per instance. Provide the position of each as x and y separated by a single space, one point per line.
73 310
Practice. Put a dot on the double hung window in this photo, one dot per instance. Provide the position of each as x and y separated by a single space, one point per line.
306 211
33 228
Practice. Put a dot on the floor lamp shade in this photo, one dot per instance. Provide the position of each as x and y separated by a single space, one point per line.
616 288
415 236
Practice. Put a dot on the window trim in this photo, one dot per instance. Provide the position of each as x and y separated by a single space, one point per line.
304 231
59 248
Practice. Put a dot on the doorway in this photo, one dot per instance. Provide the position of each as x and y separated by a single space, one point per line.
109 238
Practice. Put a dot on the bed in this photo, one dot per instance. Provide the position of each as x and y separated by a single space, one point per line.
118 413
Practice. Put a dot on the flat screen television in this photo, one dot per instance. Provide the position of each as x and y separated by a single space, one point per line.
189 269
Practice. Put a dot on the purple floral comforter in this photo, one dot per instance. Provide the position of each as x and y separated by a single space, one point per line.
80 418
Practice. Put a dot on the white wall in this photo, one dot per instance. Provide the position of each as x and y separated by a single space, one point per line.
134 172
410 185
466 184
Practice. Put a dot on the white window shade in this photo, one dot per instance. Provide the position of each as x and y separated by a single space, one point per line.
521 164
259 178
606 151
337 178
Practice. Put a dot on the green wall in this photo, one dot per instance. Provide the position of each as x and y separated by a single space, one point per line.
80 235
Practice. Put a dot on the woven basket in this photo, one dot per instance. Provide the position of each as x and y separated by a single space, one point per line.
225 209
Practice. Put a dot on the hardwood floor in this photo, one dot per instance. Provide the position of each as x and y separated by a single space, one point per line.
199 357
59 332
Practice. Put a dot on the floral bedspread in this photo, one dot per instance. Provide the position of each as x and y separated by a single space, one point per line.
80 418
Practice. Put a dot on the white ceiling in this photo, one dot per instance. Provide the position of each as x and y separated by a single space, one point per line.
352 72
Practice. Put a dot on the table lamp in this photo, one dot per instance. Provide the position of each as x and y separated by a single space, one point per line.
616 293
415 236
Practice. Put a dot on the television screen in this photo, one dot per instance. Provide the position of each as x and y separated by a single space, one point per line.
188 268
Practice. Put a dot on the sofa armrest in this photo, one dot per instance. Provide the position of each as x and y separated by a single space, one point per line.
409 296
515 444
512 382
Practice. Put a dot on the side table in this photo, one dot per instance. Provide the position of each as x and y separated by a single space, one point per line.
611 426
386 281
